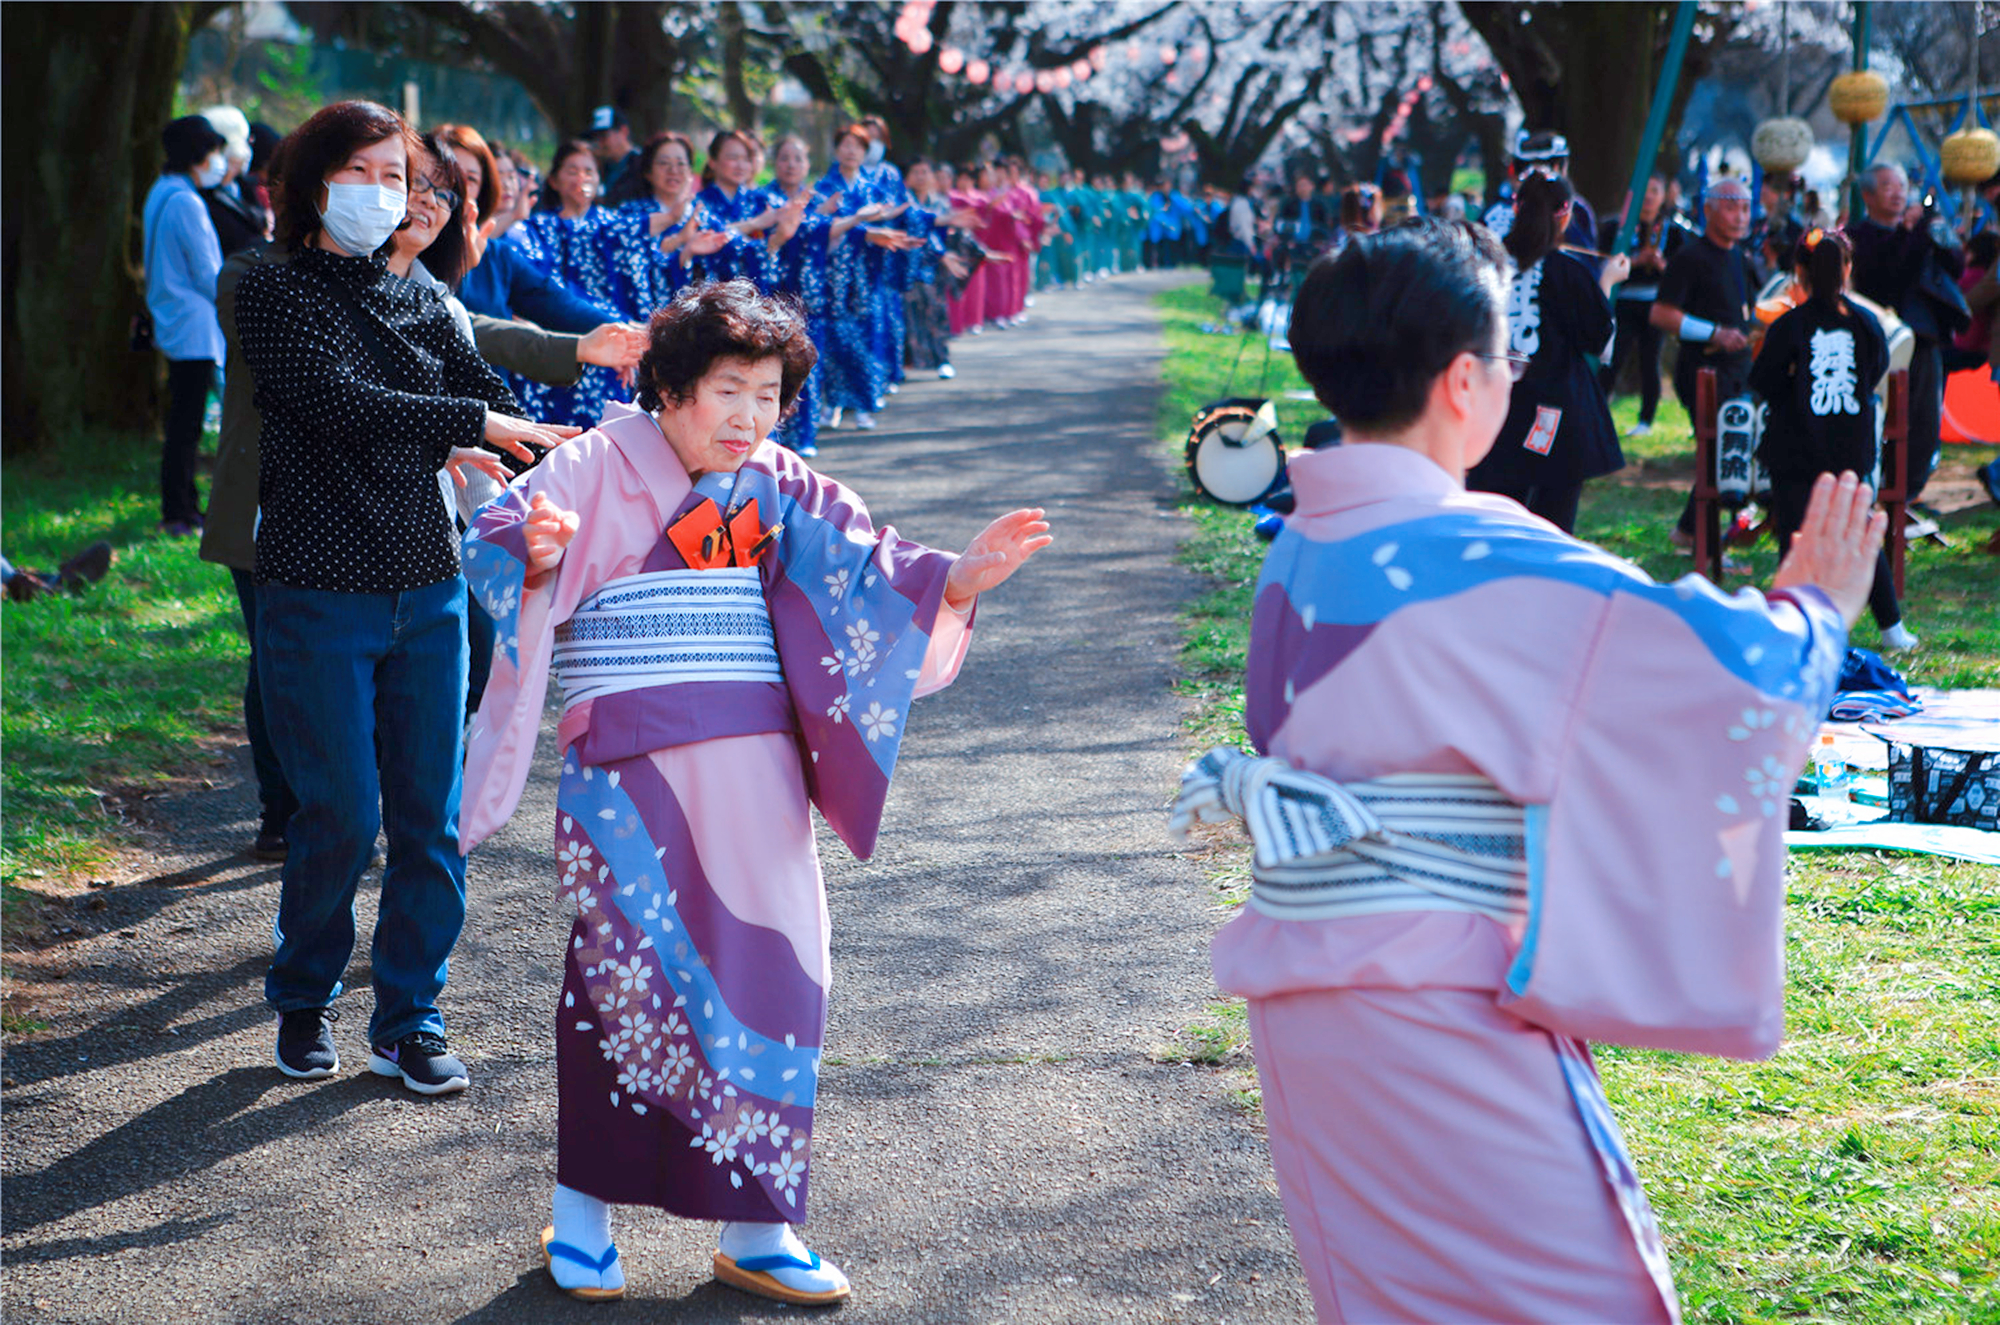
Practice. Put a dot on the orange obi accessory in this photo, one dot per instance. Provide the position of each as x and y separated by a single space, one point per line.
708 539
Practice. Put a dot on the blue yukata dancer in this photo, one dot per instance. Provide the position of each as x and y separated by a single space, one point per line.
684 246
856 377
573 242
890 271
728 201
796 267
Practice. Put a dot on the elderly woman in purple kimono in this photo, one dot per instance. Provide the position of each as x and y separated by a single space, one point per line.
1515 797
736 643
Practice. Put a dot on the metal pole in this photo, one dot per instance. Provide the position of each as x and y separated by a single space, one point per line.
1656 122
1857 147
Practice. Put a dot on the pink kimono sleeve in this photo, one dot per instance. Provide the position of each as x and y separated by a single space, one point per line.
1657 866
616 528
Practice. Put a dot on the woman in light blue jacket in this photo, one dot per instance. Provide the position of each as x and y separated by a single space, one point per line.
183 260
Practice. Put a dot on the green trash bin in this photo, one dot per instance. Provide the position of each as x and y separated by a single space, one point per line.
1228 277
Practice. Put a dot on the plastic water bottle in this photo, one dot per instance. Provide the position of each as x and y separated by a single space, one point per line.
1830 772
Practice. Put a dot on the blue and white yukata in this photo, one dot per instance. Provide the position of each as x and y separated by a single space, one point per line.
579 252
855 375
799 270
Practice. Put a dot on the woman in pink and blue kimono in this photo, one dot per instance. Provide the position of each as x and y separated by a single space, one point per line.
736 643
1515 797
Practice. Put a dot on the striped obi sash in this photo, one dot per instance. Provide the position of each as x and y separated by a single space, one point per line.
1324 849
666 628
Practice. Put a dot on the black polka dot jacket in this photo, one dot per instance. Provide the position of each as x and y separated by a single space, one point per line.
355 427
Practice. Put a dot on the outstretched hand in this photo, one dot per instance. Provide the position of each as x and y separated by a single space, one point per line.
1834 550
516 436
998 552
547 532
463 458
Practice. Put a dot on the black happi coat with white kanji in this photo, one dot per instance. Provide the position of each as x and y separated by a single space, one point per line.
1558 429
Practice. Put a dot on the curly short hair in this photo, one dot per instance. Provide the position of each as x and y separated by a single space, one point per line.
319 147
724 320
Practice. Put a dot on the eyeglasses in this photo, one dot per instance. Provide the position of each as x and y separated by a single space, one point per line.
1517 364
439 195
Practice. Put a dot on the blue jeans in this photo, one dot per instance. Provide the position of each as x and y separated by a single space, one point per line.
336 669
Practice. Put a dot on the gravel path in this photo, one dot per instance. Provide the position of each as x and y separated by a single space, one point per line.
995 1141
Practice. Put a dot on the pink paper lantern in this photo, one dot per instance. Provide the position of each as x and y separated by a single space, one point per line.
1024 83
921 42
1098 57
1081 70
951 59
1168 55
1044 81
1061 77
977 71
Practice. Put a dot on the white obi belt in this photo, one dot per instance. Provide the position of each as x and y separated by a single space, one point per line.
667 628
1325 849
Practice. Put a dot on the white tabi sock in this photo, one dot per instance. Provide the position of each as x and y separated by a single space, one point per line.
742 1241
584 1222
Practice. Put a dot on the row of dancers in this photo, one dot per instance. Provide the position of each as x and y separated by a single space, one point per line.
887 264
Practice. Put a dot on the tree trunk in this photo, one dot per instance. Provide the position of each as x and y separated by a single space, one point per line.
82 146
1602 103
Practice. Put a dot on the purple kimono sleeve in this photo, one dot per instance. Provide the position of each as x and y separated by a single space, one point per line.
1656 868
856 612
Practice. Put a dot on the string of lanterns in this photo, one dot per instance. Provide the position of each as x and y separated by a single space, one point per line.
913 30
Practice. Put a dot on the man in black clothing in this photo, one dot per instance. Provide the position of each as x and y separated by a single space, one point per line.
1894 254
610 139
1705 299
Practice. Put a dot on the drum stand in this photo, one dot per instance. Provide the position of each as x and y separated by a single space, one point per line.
1893 496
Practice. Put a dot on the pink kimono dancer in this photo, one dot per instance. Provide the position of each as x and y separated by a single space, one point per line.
689 1026
1440 1156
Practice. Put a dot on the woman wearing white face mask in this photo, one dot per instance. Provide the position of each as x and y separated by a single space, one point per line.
183 259
239 221
367 389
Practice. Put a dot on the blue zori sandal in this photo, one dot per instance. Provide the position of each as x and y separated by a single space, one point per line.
753 1274
552 1249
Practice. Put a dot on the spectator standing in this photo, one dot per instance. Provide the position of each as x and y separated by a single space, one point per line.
1655 241
366 389
183 259
1981 284
610 139
1910 261
1558 432
1360 213
1704 299
1303 226
239 219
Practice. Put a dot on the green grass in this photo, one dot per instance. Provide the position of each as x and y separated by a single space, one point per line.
1855 1177
113 691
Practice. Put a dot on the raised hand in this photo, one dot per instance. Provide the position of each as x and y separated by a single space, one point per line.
998 552
703 242
547 532
1835 548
